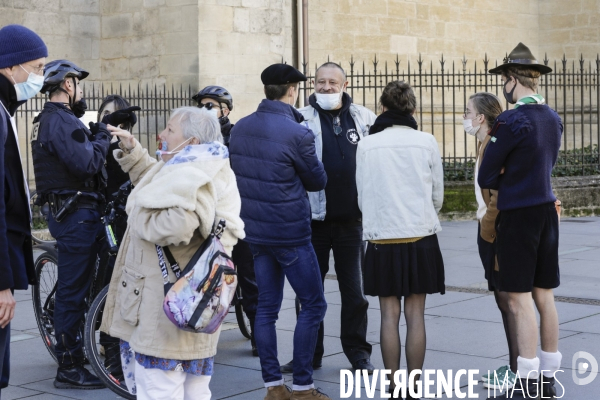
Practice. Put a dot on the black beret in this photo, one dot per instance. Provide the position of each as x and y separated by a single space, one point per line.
280 74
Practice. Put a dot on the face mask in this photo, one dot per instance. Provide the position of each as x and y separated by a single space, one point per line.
32 86
79 108
163 148
329 101
214 111
509 96
469 128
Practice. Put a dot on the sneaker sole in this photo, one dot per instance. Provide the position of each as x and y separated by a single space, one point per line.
66 385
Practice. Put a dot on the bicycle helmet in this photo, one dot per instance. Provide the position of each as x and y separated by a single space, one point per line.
217 93
57 71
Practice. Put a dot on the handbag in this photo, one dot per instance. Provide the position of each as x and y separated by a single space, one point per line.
200 298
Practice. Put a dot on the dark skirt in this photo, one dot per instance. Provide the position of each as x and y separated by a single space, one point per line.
487 253
404 268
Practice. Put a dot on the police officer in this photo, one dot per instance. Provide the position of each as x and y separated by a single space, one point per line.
68 161
219 99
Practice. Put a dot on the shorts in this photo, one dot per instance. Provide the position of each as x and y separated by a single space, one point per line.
527 248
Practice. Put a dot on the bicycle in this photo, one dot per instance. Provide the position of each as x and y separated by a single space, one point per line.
39 218
43 294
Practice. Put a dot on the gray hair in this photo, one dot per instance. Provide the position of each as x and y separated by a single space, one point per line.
198 123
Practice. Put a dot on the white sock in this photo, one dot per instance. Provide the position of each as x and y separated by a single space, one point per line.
528 368
550 363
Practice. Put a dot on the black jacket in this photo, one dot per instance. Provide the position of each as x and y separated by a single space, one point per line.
16 266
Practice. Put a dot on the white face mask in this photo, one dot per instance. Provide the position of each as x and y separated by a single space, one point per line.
469 128
329 101
26 90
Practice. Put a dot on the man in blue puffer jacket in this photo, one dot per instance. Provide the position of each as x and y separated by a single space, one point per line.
275 162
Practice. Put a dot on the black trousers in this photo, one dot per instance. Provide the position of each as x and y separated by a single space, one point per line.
345 239
4 356
244 261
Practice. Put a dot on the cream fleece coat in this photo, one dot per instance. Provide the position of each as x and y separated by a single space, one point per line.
176 206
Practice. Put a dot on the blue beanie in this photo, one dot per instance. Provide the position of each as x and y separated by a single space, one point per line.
19 45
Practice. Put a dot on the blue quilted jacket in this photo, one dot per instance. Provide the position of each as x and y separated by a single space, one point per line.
275 163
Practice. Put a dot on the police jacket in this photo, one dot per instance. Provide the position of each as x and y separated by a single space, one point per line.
16 268
66 156
275 163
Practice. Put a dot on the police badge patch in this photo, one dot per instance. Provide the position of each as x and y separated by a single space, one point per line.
352 136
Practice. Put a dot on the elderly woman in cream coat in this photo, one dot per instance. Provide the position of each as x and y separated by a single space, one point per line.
175 203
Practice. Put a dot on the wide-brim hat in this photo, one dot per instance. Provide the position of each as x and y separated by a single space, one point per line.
521 55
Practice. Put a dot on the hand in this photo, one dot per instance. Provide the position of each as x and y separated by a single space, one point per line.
127 138
122 116
7 307
502 171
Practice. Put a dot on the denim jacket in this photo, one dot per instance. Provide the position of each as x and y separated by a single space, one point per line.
363 119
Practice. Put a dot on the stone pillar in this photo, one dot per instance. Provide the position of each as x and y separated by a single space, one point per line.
237 40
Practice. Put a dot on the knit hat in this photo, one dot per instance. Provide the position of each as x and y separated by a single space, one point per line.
19 45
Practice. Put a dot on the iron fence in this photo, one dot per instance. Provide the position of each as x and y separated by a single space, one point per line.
443 89
572 89
155 102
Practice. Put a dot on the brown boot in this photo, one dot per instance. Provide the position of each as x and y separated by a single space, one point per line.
310 394
281 392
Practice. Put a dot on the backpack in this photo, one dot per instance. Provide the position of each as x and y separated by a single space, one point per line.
200 298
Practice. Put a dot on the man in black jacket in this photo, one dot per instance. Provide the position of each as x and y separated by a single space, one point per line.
22 58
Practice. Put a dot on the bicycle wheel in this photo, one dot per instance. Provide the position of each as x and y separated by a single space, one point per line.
46 270
240 315
39 221
94 351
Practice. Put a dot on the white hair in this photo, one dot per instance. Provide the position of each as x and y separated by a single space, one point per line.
199 123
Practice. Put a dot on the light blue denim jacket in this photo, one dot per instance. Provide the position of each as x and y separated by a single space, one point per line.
363 119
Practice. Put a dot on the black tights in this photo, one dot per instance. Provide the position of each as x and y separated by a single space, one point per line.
510 328
414 313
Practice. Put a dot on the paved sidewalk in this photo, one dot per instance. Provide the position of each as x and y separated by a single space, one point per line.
464 329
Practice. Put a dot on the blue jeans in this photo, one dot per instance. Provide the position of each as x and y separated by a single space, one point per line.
272 265
77 249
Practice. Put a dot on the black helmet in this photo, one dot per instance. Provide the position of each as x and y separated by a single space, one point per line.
56 71
217 93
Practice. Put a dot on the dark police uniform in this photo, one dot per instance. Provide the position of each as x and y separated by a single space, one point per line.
68 158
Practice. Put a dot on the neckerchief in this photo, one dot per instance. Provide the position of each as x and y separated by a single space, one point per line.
200 152
531 99
392 117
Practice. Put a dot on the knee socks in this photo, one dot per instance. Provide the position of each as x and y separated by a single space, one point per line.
550 363
528 367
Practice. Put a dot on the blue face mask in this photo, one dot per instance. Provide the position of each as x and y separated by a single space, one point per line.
162 149
32 86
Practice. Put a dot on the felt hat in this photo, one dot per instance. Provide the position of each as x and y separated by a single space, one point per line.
521 55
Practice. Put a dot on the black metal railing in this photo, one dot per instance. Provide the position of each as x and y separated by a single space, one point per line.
442 89
156 103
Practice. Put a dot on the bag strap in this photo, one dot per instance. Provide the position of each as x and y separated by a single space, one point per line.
216 231
160 252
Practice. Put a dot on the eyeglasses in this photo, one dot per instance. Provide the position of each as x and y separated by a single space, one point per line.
208 106
337 125
37 70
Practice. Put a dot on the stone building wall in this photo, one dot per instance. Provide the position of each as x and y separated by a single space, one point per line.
407 28
238 39
570 28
